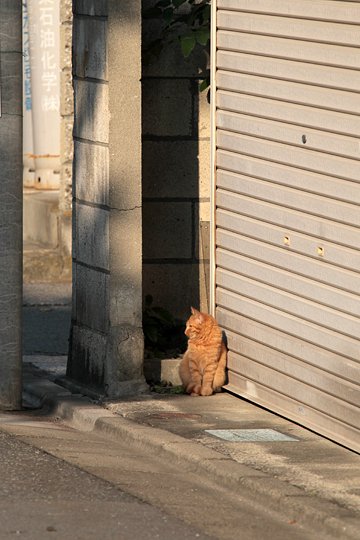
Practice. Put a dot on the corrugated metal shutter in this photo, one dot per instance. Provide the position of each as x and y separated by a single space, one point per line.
287 217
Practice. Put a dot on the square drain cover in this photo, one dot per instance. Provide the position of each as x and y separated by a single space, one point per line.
246 435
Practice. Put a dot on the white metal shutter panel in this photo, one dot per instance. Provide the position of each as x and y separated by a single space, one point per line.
287 215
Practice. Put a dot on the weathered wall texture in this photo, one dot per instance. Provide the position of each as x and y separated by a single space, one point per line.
67 106
67 120
10 204
176 180
106 350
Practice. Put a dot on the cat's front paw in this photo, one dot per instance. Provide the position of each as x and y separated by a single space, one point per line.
206 391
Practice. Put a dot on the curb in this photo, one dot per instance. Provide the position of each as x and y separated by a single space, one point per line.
305 508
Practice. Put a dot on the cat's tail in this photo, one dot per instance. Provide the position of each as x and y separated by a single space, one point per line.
220 373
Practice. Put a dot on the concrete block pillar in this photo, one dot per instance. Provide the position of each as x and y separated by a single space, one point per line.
10 203
106 346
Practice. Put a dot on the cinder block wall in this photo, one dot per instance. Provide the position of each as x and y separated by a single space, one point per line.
176 180
90 193
106 349
175 161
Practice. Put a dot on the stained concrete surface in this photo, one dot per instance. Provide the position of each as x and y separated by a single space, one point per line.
42 496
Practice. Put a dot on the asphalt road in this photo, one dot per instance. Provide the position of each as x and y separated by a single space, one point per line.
61 483
46 319
43 497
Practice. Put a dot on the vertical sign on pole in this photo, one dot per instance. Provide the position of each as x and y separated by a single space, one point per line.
44 20
28 142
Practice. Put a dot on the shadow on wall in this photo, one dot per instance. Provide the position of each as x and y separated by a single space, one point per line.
91 205
107 203
175 194
175 180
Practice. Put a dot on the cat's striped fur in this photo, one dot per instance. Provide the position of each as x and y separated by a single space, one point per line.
203 366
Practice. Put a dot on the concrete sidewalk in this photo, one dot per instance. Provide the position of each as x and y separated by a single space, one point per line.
312 480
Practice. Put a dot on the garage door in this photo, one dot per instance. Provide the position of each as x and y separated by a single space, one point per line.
286 196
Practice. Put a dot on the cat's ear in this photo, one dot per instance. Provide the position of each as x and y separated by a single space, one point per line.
197 314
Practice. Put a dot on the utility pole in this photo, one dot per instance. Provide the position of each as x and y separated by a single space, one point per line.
10 203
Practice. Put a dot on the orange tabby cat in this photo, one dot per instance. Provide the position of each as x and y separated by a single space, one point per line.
202 369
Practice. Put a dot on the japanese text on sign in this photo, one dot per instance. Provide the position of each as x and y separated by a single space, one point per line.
26 58
50 100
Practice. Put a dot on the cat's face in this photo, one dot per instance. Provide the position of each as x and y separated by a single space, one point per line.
194 324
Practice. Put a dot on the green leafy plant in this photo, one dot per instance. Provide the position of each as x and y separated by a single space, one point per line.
166 388
187 21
